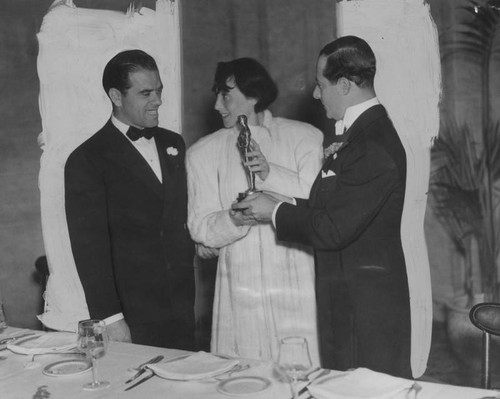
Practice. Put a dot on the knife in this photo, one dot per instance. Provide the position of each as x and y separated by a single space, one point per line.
12 338
141 381
4 342
142 368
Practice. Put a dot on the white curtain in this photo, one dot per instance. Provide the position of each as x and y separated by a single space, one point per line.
408 82
74 46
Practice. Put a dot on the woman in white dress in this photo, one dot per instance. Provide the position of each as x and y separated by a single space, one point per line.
264 288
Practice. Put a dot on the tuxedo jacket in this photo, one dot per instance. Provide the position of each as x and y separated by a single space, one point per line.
128 230
352 219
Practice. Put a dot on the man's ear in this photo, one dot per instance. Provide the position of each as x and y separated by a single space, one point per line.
345 85
116 96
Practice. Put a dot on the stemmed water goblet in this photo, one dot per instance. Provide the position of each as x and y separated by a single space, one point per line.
294 360
93 341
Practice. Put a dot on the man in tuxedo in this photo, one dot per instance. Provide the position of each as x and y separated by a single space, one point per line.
352 220
126 208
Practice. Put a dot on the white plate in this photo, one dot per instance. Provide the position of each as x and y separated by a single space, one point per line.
241 386
43 343
67 367
195 366
359 383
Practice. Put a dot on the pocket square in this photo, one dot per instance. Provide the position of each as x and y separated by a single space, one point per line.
328 173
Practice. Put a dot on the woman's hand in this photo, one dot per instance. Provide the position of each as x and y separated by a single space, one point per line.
258 163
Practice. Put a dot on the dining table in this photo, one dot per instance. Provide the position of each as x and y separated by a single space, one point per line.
22 376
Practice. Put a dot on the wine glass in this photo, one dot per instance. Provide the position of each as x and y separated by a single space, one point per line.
294 360
3 320
93 340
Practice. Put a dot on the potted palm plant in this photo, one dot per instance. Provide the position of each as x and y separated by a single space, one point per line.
464 194
465 179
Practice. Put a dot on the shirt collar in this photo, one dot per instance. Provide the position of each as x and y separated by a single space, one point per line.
122 127
353 112
267 118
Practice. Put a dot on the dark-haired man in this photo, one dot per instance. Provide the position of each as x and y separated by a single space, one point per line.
352 219
126 201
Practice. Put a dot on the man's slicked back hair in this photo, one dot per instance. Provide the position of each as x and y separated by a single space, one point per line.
350 57
117 70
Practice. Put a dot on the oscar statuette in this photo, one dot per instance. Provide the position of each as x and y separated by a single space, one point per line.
245 146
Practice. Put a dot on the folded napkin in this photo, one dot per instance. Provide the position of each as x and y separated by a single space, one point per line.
361 383
43 343
432 390
193 367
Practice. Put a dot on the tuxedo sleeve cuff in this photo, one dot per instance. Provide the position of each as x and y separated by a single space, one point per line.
273 216
112 319
275 210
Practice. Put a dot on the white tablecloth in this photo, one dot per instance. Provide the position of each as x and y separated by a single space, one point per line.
18 381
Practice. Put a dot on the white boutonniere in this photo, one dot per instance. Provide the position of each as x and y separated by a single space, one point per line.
332 149
172 151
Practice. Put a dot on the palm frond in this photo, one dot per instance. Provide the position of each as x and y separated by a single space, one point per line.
465 174
465 187
475 37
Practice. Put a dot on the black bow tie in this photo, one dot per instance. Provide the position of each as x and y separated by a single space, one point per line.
134 133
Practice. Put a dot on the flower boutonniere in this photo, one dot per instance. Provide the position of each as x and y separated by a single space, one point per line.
332 149
172 151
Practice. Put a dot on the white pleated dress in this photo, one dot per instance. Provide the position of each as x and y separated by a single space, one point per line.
264 288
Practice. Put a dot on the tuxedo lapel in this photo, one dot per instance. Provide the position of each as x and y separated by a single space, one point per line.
352 136
354 133
168 167
121 151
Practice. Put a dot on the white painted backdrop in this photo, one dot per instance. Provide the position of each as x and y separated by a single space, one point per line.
74 46
408 82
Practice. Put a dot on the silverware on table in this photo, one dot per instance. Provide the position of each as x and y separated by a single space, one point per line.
236 369
306 376
319 375
73 352
14 337
142 367
414 389
141 381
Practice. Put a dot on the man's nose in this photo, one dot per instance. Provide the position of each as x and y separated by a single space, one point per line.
156 99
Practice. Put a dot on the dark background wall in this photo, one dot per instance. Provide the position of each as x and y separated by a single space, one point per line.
285 35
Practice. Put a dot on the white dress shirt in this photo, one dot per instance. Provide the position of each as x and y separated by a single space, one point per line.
146 147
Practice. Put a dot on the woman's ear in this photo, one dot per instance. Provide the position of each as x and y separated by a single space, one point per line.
254 102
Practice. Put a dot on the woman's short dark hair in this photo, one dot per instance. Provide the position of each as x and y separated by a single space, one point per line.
352 58
117 70
250 77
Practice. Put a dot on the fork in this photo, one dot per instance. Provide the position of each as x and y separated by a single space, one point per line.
415 388
156 359
304 388
143 367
